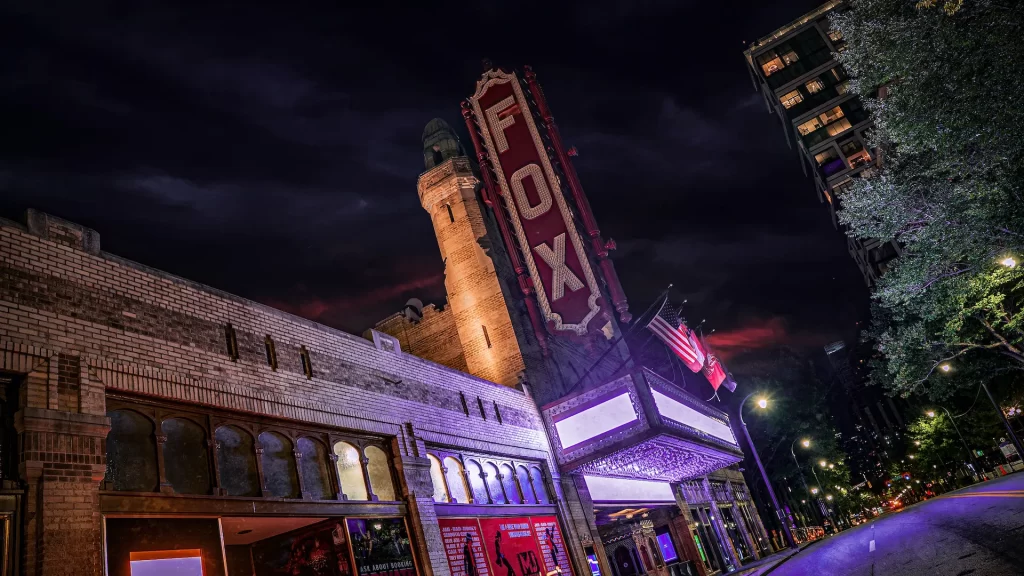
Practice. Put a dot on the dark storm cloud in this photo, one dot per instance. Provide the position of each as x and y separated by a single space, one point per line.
272 150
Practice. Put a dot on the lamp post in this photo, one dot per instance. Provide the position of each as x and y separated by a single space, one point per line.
970 455
806 444
764 476
1009 429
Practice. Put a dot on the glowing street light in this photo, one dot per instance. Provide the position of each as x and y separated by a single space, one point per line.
917 442
762 403
814 491
911 456
823 464
1009 262
831 466
945 368
805 443
930 413
828 497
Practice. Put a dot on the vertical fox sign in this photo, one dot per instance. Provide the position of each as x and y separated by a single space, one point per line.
541 219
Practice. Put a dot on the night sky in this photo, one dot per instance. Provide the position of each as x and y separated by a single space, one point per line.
273 151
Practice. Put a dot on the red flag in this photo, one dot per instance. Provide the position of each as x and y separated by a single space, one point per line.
713 369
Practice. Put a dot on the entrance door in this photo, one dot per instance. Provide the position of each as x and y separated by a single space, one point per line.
624 562
732 528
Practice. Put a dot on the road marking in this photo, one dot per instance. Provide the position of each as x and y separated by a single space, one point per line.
871 547
987 495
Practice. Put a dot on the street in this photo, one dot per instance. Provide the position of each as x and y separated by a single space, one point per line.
978 530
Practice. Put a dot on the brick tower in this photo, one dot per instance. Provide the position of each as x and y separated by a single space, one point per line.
447 191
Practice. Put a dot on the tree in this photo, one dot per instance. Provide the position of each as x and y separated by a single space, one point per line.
950 127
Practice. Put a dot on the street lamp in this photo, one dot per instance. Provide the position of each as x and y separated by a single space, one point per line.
763 403
944 368
828 497
823 464
1009 262
814 491
970 455
806 444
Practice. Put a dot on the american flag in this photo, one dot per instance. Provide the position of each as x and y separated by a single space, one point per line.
670 330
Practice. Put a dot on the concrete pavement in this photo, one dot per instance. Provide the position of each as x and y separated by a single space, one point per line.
978 530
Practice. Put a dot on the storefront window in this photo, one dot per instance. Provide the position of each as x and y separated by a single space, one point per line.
350 472
315 480
279 473
380 474
456 480
131 452
437 479
236 461
186 462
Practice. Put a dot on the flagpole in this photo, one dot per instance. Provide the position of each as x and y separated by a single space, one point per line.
663 298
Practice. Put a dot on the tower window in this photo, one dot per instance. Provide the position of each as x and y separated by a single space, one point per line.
438 157
271 352
232 341
487 337
451 215
307 365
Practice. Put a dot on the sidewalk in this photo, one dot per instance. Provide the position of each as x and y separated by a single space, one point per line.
766 565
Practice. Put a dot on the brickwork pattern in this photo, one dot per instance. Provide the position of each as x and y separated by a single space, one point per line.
435 337
78 322
486 337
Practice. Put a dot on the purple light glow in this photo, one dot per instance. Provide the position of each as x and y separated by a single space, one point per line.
604 489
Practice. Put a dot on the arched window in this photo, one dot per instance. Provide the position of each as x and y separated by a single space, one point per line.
476 483
379 471
315 480
508 481
456 480
236 461
538 485
186 462
350 472
437 479
524 482
494 483
279 473
654 551
131 452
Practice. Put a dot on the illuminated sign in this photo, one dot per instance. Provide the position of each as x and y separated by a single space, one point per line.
604 489
675 410
566 287
596 420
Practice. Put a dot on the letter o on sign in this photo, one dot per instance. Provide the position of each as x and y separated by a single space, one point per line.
516 182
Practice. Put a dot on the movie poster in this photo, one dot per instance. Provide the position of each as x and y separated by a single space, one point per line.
380 547
511 547
552 548
464 546
319 550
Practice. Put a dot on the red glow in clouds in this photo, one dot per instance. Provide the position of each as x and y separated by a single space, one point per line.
757 335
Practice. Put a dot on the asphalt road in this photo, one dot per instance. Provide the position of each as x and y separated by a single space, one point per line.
977 530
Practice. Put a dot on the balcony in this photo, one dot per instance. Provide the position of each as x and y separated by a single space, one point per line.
640 426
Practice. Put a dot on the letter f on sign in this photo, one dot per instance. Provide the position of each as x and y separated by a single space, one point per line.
561 276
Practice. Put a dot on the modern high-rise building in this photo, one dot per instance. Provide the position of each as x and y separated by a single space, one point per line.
795 70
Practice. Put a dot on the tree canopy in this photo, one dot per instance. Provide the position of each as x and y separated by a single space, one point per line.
944 82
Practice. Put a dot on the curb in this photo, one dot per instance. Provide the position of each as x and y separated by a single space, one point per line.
786 559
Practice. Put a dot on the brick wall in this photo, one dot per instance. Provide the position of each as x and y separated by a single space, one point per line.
77 322
475 297
435 337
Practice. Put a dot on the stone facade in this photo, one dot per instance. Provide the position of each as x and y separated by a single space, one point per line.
78 324
434 337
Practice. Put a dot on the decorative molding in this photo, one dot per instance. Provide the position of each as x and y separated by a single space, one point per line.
493 78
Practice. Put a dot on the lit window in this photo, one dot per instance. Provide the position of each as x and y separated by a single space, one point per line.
835 35
843 87
815 86
790 57
825 157
183 562
791 99
859 159
808 127
839 127
770 63
832 115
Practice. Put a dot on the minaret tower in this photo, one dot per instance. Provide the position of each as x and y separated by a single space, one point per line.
447 191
